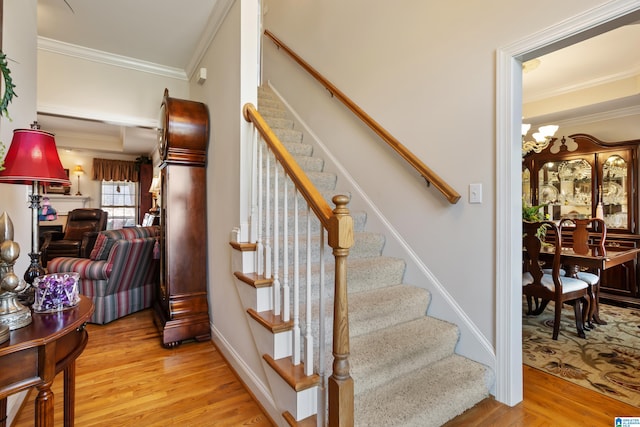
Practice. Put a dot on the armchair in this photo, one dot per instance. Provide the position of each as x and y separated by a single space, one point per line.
77 238
120 274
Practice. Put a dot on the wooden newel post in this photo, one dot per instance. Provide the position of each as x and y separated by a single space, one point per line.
340 382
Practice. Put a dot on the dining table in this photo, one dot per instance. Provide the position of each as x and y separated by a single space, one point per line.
593 259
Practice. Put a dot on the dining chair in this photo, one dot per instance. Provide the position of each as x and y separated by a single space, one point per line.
536 284
584 236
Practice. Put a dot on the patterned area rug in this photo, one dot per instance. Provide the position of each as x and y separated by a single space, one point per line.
608 361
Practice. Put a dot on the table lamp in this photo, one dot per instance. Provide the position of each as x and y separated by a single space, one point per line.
13 315
78 171
33 159
155 190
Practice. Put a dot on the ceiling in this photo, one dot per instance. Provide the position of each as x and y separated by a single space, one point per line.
172 32
161 32
596 62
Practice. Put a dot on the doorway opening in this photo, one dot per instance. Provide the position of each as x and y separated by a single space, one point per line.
509 176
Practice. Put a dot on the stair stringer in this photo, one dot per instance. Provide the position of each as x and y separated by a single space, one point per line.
472 343
298 403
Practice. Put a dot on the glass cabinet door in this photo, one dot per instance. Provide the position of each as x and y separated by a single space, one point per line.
565 187
613 193
526 186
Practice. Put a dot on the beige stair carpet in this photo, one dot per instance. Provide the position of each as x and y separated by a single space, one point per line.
403 361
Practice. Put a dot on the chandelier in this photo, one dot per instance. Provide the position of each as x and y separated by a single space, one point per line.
542 138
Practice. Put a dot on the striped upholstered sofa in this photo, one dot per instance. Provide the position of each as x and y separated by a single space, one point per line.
119 274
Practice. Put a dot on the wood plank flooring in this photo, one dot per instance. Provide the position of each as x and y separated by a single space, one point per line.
126 378
548 401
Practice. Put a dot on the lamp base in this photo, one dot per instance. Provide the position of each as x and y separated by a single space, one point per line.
34 270
13 314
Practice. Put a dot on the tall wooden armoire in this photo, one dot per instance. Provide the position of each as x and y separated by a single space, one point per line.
181 309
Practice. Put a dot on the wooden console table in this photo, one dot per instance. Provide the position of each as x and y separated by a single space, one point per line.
36 353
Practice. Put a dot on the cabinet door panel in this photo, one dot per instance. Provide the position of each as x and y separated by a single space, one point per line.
614 189
565 187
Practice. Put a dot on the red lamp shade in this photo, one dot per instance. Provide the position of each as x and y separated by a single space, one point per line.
33 157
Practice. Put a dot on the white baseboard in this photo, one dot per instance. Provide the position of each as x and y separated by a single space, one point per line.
260 391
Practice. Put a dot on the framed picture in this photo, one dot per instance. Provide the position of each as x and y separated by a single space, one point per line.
149 220
58 188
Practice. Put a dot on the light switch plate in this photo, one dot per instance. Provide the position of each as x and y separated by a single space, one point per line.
475 193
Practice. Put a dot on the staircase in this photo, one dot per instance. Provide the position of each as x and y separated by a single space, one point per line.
402 361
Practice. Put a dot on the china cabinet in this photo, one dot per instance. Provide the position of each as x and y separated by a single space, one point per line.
581 176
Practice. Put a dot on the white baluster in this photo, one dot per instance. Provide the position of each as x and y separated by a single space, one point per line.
253 233
308 338
286 291
276 244
267 216
296 283
259 246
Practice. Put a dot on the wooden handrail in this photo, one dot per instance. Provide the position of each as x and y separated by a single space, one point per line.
297 175
339 225
429 175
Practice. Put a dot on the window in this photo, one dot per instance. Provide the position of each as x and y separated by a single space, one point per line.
119 200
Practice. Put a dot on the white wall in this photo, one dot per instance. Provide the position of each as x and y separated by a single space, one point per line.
19 44
426 72
222 92
78 87
88 187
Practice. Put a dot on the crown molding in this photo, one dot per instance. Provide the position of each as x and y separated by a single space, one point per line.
612 78
62 48
96 116
218 14
600 116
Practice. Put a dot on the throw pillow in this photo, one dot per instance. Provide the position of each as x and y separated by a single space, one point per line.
101 248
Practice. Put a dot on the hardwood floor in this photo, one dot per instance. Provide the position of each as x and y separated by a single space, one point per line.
125 378
548 401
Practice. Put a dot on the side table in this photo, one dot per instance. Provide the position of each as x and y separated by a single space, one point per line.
36 353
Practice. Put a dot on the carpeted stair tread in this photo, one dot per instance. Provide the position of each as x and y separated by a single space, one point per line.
279 122
298 148
366 245
386 353
269 102
288 135
428 397
378 308
359 220
310 163
371 273
272 113
363 274
370 311
323 180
